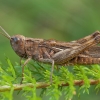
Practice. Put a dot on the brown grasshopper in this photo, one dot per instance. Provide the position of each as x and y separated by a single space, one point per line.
81 52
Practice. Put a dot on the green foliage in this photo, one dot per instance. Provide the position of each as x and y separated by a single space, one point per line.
41 73
30 93
82 73
7 77
68 77
53 90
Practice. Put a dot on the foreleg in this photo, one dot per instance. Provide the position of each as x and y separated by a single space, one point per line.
27 60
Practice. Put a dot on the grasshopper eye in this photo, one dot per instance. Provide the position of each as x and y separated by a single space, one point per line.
15 39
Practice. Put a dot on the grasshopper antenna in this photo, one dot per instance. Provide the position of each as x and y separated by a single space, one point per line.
6 34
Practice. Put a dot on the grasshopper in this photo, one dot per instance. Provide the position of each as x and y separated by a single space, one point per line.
81 52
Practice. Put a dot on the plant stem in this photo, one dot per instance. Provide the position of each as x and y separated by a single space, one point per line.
44 85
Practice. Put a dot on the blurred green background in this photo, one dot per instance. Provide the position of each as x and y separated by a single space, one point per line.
63 20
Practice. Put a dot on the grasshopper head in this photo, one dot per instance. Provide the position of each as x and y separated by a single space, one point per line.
18 44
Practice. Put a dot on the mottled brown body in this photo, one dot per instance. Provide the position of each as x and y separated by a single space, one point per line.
81 52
